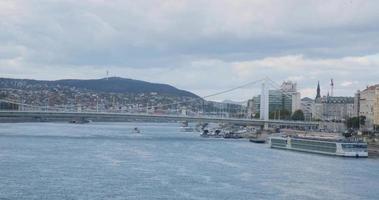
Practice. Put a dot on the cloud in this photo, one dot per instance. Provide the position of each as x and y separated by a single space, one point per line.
346 83
349 83
135 32
297 67
199 45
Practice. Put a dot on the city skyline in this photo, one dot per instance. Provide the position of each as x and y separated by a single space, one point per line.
323 93
189 99
182 42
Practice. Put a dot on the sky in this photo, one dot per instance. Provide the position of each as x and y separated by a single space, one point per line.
203 46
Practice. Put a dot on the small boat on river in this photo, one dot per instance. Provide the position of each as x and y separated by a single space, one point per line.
257 140
136 130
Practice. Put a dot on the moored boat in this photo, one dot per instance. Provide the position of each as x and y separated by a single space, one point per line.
79 121
212 133
256 140
327 146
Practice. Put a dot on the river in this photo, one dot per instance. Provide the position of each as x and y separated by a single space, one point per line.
108 161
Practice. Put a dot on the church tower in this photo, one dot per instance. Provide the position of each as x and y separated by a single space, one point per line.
318 91
317 113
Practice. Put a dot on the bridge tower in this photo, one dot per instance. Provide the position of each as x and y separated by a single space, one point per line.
264 107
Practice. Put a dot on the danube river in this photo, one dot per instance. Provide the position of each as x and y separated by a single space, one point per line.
107 161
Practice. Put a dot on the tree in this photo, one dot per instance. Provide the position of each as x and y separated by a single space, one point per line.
257 115
352 122
355 122
280 114
285 114
298 115
362 120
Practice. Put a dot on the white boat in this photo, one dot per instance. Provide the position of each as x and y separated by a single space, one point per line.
336 147
187 129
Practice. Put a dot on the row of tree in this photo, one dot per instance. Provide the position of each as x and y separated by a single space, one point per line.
284 114
355 122
298 115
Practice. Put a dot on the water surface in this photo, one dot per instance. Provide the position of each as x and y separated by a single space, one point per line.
107 161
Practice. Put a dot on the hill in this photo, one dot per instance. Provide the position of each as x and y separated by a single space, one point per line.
106 85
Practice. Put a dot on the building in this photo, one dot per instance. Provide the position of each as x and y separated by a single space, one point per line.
8 106
279 101
286 98
290 88
252 109
307 106
331 108
368 103
376 110
338 108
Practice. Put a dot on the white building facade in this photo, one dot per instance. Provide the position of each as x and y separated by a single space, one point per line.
368 101
290 88
307 106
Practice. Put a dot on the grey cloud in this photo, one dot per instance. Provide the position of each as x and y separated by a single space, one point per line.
173 36
142 33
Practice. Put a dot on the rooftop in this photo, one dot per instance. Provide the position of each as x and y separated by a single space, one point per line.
372 87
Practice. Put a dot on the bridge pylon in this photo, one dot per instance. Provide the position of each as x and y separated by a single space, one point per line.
264 103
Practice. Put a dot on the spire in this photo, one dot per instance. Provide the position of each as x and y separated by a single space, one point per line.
318 91
331 87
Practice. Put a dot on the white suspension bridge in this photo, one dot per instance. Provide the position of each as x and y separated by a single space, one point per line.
67 112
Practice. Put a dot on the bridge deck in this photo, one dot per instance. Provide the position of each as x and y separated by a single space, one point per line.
148 117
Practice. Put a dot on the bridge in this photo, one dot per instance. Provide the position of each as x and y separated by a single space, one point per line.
60 113
106 116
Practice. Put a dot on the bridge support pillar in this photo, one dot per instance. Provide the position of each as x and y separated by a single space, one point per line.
265 126
264 104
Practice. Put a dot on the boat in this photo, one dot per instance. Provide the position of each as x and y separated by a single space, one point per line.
184 123
205 133
217 133
136 130
256 140
327 146
200 127
233 135
79 121
187 129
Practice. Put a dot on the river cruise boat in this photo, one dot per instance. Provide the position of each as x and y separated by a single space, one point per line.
328 146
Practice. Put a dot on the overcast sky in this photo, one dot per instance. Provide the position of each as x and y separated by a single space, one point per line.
201 46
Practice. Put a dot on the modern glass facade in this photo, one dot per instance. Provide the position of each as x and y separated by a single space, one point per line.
277 101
